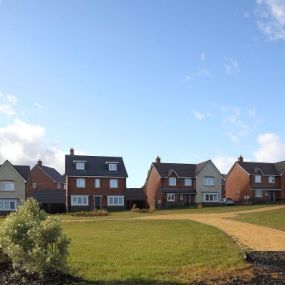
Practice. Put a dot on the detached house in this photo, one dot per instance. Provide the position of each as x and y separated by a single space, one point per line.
256 181
177 184
95 182
14 186
48 188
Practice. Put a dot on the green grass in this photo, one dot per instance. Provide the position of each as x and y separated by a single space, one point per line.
273 219
147 252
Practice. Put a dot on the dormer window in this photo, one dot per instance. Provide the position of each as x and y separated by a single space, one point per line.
172 181
113 167
80 165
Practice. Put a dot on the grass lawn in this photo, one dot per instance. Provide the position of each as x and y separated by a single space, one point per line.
273 219
129 214
148 252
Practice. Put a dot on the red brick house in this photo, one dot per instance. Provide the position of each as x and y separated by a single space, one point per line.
256 181
95 182
178 184
48 188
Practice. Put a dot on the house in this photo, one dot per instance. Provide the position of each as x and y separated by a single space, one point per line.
14 186
95 182
48 188
256 181
178 184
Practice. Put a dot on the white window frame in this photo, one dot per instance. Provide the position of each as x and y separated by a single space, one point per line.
34 185
172 181
188 182
209 181
7 186
80 165
5 202
271 179
214 197
79 184
181 197
97 183
115 200
170 197
114 183
258 193
79 200
113 167
257 179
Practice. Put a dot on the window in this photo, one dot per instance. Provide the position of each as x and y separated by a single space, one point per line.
116 201
170 197
209 181
257 178
80 183
58 186
8 205
7 186
80 165
34 185
181 197
271 179
258 193
112 167
79 200
211 197
113 183
188 182
172 181
97 183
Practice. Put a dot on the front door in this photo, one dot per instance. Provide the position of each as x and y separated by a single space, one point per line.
97 202
271 196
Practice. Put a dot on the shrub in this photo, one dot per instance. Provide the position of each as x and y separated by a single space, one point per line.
138 210
34 242
94 213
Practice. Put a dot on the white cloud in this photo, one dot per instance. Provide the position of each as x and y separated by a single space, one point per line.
7 104
231 66
224 163
271 148
233 137
200 72
24 143
188 77
199 115
203 56
271 18
251 113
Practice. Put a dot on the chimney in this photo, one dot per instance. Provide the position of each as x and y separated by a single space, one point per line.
72 151
40 163
240 159
157 160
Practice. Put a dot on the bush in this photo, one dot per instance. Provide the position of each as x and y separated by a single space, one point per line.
138 210
34 242
95 213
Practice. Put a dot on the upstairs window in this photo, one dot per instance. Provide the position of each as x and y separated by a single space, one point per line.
188 182
7 186
97 183
80 183
271 179
257 179
34 185
80 165
209 181
113 167
172 181
113 183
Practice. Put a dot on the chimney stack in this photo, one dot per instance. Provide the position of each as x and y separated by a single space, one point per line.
157 160
40 163
240 159
72 151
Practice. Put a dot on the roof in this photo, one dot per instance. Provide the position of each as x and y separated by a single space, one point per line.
95 166
182 169
135 194
53 174
50 196
265 167
24 170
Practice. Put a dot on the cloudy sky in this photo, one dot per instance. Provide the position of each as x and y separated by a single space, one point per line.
186 80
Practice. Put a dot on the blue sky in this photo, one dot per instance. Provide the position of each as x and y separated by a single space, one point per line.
186 80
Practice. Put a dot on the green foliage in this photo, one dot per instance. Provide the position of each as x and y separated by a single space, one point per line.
94 213
143 211
34 242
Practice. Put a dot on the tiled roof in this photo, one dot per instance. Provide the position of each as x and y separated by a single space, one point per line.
50 196
95 166
265 167
53 174
135 194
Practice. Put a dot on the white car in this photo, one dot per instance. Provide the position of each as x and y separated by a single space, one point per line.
228 201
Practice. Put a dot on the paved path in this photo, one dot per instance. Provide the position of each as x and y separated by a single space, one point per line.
251 236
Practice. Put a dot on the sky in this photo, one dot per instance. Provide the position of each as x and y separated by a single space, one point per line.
186 80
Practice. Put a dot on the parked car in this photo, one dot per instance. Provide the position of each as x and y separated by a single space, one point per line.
228 201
